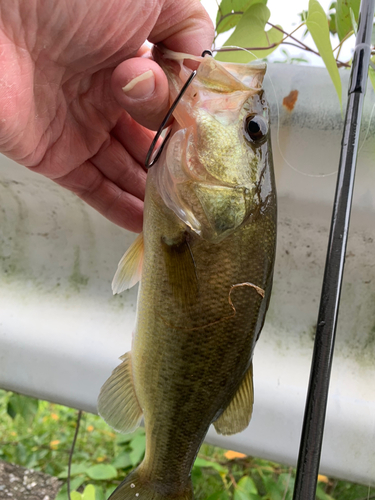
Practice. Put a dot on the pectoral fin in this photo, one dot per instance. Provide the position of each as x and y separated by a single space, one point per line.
117 403
129 269
181 269
236 416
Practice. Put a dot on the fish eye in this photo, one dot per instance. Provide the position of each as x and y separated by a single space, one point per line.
256 129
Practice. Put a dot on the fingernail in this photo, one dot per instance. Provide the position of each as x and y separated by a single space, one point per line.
141 86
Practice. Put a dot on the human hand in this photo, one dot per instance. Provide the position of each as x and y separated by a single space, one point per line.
62 107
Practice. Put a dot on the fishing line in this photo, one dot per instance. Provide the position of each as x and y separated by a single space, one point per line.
72 451
239 48
278 136
278 141
278 121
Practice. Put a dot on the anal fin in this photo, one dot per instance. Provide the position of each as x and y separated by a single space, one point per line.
117 403
129 269
236 416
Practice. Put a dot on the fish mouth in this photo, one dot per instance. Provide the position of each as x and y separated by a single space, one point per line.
215 75
216 86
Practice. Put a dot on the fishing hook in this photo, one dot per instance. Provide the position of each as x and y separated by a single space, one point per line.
148 163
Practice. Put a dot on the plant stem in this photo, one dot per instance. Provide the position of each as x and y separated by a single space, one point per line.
232 479
303 45
232 49
222 19
289 35
348 35
338 53
72 451
298 43
236 13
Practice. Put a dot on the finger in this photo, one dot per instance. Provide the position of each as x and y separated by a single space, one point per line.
133 137
120 167
183 26
141 88
94 188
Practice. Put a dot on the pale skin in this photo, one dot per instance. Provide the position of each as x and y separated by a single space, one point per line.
63 111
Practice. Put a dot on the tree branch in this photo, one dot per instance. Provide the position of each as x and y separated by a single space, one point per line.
238 13
303 45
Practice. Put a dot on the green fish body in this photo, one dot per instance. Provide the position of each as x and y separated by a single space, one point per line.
205 262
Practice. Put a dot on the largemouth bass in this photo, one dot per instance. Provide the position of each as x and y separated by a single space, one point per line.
205 261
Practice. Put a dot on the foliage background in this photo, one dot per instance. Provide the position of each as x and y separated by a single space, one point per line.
248 22
37 434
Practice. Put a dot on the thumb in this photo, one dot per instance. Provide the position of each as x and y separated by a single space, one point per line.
139 84
141 88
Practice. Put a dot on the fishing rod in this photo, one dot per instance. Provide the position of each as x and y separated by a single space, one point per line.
316 401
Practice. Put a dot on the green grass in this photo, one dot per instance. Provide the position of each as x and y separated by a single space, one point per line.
37 434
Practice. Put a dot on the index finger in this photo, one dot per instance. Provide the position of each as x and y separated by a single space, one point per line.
183 26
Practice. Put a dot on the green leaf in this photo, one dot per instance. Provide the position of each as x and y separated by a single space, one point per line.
201 462
74 484
196 474
74 495
22 405
127 438
76 469
285 484
318 26
32 461
247 484
332 18
321 494
99 493
226 17
89 493
353 20
343 19
122 461
275 490
21 454
109 491
219 495
246 490
138 445
102 471
250 32
302 15
299 60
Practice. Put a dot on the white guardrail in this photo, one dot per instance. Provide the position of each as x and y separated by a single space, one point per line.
62 331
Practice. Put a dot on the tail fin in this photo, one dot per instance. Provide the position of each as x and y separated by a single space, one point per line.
136 487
